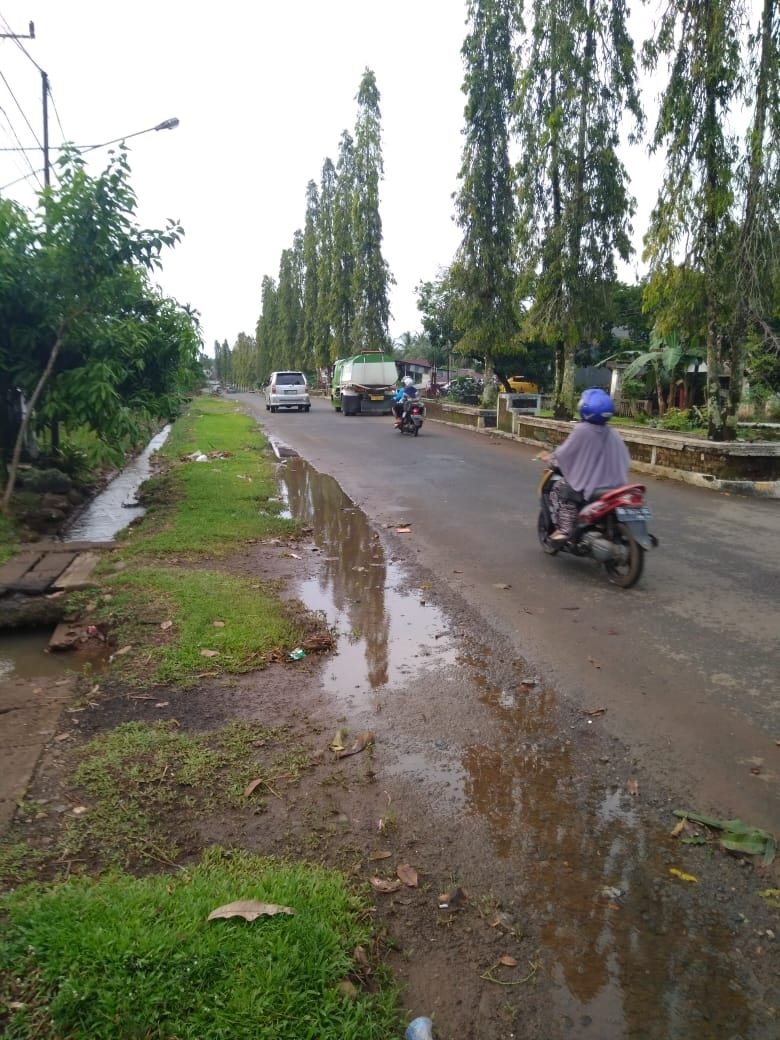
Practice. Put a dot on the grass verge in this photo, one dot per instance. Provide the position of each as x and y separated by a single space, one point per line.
143 785
209 507
124 957
178 626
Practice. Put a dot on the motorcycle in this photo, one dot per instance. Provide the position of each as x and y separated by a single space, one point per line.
412 416
611 528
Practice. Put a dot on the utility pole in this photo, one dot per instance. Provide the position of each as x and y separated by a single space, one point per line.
30 35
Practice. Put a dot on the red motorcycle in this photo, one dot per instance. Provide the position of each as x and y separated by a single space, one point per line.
611 528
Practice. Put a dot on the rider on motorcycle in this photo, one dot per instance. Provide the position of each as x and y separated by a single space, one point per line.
592 456
407 390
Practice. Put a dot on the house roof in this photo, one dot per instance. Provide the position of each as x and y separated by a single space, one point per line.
419 362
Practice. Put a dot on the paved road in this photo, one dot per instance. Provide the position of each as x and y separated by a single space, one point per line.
687 664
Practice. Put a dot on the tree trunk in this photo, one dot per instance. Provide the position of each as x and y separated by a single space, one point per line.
564 404
20 437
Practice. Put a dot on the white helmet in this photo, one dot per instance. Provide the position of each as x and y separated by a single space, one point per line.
408 381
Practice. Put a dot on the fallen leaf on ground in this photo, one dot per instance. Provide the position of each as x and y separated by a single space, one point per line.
384 884
683 876
249 909
771 897
678 828
632 786
375 856
407 874
403 530
737 836
165 625
119 653
218 624
209 653
362 741
505 958
347 989
596 711
252 785
501 585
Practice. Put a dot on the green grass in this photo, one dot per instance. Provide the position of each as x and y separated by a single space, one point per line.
210 508
124 958
143 784
8 537
253 625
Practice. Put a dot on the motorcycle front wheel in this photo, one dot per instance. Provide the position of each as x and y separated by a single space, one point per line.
626 572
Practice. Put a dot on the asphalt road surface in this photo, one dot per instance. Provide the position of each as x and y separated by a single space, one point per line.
686 664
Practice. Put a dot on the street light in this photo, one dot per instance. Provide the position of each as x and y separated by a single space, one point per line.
166 124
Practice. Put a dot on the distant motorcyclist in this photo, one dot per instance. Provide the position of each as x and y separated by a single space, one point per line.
592 456
406 391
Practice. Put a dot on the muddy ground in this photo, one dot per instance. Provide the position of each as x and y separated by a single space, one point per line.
565 917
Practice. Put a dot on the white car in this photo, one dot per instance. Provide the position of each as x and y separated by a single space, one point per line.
287 390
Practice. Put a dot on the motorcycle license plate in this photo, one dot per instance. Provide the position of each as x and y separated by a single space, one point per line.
633 513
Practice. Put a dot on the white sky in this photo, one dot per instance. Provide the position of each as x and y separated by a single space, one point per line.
263 90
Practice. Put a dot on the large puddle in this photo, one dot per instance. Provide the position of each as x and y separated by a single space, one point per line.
384 622
629 954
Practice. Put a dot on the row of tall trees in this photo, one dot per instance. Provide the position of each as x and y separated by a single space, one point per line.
86 337
555 82
330 297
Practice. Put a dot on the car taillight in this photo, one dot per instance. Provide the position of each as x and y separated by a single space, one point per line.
273 388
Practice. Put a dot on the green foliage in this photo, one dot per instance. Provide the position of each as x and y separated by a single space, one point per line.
465 390
577 84
124 957
483 275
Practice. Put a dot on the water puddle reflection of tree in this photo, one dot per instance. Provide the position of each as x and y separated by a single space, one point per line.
384 624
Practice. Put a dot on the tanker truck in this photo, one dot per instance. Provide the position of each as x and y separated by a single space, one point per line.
364 384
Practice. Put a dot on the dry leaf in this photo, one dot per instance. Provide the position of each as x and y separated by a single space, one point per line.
632 786
218 624
510 962
120 653
407 874
209 653
347 989
162 704
362 741
249 909
361 957
250 787
379 855
384 885
403 530
338 742
682 876
678 828
453 900
165 625
501 585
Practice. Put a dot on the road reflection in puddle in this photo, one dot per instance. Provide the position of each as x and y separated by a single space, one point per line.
632 954
386 628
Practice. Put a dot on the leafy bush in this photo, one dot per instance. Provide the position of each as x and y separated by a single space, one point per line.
465 387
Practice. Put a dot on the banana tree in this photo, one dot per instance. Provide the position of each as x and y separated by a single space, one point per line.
668 360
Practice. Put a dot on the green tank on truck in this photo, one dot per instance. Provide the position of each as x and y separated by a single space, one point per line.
364 384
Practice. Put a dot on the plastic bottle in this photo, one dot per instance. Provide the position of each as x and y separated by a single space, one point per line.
419 1029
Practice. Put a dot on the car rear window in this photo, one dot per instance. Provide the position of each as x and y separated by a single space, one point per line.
289 378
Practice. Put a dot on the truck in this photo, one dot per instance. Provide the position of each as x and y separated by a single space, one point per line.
364 384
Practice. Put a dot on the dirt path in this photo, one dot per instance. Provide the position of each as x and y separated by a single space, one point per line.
563 918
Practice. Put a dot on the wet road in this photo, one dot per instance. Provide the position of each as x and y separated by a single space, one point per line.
685 665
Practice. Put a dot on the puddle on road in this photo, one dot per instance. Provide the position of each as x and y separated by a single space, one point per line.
115 507
629 952
386 629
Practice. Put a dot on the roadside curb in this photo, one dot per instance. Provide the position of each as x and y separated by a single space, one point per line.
756 488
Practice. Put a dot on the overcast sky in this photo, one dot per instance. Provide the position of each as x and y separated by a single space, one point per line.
263 90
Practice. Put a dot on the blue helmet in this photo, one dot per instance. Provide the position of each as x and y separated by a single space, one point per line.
596 406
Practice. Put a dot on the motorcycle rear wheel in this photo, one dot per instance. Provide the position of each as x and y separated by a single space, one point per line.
544 535
629 572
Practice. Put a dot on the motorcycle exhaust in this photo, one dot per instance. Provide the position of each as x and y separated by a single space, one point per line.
602 549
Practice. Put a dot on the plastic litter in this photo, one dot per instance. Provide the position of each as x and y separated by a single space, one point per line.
419 1029
297 654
